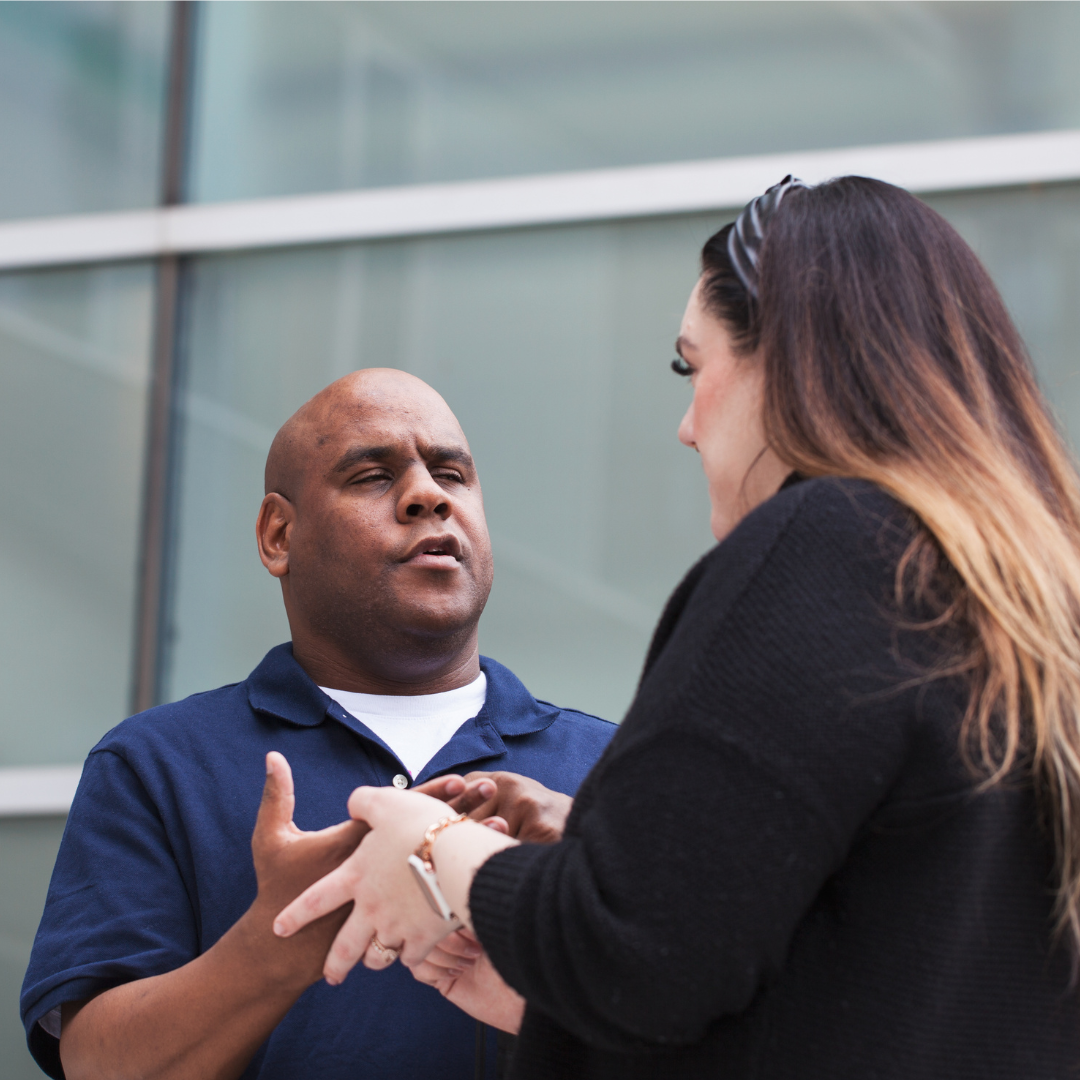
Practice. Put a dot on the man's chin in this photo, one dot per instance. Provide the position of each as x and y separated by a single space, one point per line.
435 616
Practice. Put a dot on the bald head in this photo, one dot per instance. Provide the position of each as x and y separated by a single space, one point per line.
313 432
373 520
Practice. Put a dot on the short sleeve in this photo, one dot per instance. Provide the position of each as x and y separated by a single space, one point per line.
117 909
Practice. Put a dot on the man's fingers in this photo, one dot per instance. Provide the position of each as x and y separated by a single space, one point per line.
476 794
442 787
278 799
326 895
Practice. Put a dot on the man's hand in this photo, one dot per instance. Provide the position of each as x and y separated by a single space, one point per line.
205 1020
287 861
513 804
460 970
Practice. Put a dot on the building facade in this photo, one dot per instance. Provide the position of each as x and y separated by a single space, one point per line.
209 211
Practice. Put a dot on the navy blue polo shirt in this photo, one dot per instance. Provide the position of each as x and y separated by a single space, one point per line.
155 863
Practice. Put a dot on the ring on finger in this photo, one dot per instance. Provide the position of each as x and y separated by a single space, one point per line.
387 953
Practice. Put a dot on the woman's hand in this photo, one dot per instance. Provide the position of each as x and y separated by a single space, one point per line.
460 970
390 913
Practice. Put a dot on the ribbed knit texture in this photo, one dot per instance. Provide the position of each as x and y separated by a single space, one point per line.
780 867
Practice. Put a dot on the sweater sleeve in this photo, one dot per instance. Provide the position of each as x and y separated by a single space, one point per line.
761 739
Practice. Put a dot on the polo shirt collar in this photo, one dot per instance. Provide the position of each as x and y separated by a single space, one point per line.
280 687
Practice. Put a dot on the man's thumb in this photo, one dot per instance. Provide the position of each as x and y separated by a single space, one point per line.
278 801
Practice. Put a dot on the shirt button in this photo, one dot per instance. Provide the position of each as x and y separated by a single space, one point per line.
401 781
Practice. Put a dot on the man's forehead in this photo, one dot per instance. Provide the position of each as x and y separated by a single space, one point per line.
405 429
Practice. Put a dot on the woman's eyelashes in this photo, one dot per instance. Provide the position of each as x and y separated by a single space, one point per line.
681 367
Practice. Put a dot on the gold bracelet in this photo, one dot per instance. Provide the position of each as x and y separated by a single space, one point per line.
423 852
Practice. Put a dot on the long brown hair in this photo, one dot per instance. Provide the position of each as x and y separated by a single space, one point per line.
889 356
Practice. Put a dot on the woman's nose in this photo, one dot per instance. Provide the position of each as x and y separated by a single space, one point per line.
686 428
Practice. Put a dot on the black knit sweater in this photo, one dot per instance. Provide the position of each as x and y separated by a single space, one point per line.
780 868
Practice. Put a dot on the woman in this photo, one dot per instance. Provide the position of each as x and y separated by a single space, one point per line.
838 833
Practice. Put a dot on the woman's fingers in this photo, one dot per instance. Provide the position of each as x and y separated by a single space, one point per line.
327 894
447 963
351 943
461 944
433 975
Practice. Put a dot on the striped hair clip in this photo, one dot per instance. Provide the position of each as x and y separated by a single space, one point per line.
744 240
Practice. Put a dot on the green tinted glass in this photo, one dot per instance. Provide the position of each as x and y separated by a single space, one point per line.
298 97
81 106
74 358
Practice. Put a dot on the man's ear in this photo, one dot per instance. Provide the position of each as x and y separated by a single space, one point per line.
273 531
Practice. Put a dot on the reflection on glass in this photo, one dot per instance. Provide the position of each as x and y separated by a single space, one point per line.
74 348
552 347
81 102
296 97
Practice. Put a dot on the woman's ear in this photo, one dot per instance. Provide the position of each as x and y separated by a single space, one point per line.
272 532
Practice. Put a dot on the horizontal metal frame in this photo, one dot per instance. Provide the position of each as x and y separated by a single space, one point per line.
558 198
38 790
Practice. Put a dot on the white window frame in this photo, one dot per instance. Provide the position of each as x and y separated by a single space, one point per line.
517 202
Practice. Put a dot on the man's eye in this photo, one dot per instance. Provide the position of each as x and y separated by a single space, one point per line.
681 367
372 477
448 474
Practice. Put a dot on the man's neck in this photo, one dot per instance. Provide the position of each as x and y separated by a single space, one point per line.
373 674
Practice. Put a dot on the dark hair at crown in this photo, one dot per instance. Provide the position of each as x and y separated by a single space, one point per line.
724 294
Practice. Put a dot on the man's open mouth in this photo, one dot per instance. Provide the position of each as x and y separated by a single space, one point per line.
436 551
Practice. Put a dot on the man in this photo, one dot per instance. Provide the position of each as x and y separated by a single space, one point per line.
155 956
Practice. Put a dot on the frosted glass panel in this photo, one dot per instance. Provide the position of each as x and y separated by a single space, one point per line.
296 97
74 348
552 346
81 104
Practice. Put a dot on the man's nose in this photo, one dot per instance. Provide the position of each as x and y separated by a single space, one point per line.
422 497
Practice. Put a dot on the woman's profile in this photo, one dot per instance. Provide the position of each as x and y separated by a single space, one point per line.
838 832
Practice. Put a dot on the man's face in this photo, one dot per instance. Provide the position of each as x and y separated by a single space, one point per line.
389 528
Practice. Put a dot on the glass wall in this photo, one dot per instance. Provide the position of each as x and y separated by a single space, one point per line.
552 346
298 97
1029 239
82 91
74 363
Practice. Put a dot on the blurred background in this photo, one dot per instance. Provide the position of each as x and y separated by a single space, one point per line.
139 395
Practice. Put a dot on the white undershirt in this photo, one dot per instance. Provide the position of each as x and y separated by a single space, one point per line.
417 726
